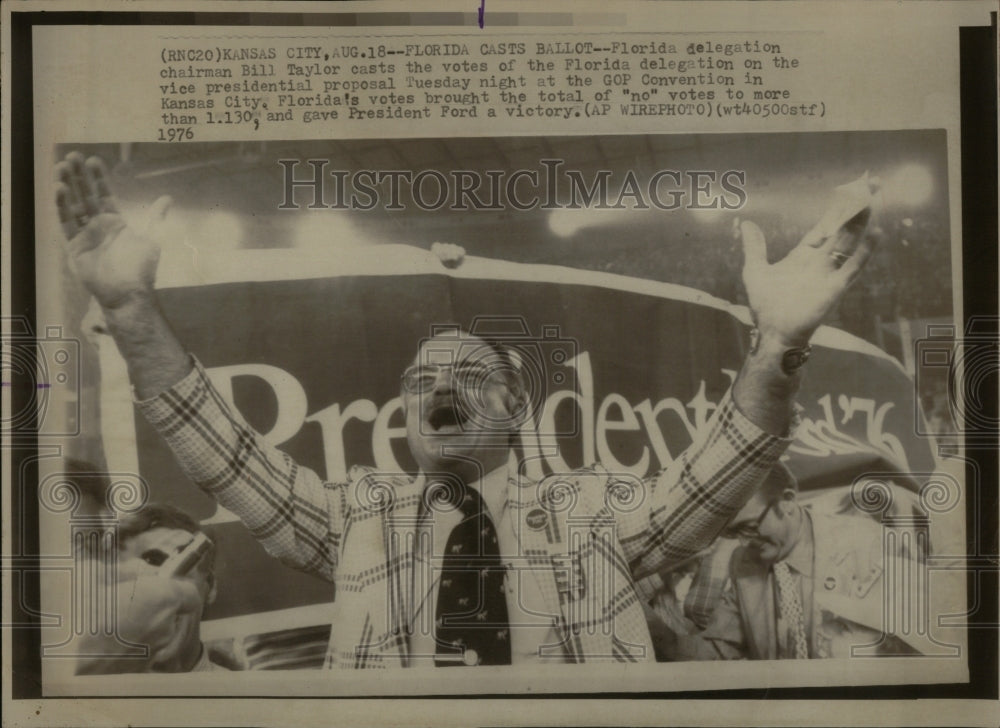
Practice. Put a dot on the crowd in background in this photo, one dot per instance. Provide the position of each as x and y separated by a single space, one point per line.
907 280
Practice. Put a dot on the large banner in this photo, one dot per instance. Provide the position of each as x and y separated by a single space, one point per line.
622 372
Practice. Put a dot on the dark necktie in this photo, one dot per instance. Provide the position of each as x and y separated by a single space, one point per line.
471 622
790 606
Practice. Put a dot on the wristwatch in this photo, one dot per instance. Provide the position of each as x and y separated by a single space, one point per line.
793 359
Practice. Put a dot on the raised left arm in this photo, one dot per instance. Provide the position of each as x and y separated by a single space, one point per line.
691 501
790 299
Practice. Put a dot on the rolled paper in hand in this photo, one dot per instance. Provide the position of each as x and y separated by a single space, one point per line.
184 560
848 201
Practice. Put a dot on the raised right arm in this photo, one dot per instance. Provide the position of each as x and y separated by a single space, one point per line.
117 265
297 517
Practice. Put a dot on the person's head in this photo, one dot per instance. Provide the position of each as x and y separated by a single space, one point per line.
770 522
145 540
464 400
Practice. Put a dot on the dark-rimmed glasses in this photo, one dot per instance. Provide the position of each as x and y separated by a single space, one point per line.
421 378
747 529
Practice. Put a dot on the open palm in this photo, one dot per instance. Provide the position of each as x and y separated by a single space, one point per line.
791 298
112 260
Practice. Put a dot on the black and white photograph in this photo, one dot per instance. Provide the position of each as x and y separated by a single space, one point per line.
680 414
375 343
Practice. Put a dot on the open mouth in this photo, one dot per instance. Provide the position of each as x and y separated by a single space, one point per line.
446 416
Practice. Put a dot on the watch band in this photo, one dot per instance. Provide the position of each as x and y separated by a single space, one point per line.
793 359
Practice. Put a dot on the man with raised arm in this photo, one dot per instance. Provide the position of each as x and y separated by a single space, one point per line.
468 562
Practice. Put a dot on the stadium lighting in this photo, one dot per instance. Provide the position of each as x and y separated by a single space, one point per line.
567 221
707 216
326 229
220 231
911 185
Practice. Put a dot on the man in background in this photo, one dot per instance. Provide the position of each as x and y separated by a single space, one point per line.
162 582
802 584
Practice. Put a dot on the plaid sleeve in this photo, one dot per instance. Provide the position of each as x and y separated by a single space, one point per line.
724 638
709 582
294 515
694 498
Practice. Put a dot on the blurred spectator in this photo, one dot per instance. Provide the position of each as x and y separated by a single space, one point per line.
802 584
683 601
162 583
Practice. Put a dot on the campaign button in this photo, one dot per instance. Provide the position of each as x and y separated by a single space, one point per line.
537 519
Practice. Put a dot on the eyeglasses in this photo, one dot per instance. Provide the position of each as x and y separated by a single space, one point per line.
421 378
747 529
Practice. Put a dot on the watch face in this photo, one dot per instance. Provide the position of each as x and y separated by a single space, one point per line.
793 359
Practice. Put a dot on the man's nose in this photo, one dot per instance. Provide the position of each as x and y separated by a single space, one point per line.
445 380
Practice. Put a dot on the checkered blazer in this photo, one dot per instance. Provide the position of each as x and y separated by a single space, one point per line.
585 536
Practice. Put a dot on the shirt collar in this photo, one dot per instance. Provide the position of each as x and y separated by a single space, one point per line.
492 488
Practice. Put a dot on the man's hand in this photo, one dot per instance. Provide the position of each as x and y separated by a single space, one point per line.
791 298
114 262
117 264
152 611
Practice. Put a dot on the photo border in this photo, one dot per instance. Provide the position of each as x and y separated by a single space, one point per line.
979 224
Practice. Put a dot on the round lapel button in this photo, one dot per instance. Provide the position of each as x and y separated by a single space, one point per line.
537 519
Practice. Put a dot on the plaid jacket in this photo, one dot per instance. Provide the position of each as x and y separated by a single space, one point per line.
585 536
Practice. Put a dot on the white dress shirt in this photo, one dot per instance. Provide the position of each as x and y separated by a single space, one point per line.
530 626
